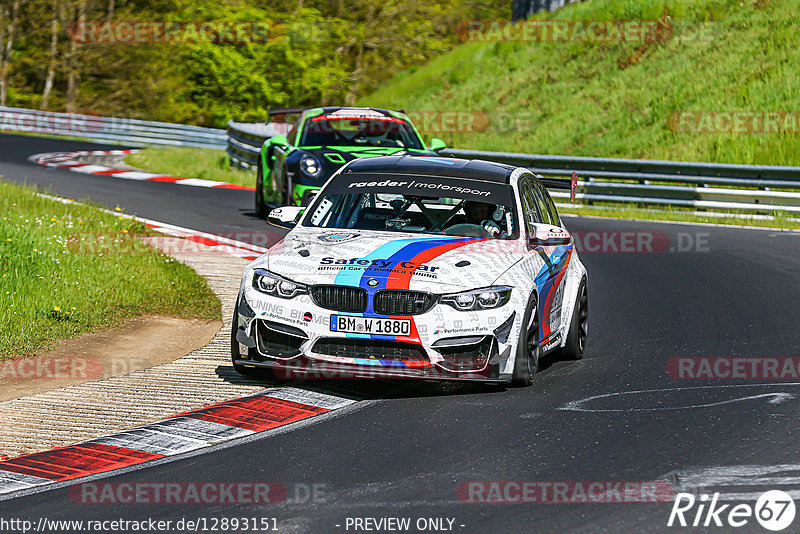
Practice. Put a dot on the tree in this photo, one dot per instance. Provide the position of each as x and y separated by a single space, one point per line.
72 60
8 22
53 58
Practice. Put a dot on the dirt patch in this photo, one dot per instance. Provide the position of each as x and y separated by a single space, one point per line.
141 343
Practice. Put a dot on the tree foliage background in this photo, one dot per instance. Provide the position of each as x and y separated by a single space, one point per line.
319 52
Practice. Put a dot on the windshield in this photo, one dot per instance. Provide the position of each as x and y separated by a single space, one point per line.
390 132
464 212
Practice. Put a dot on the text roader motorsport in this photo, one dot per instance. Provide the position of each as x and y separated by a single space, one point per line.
471 277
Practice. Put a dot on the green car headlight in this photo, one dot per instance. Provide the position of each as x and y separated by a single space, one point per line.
310 165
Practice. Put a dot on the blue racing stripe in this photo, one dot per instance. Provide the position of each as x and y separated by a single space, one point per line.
364 361
545 278
351 275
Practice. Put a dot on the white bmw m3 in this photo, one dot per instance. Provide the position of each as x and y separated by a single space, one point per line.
415 267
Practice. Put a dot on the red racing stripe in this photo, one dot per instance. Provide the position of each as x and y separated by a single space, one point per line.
76 461
256 413
402 279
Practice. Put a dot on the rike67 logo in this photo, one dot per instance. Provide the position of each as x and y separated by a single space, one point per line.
774 510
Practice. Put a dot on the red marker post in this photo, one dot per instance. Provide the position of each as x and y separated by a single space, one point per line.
573 190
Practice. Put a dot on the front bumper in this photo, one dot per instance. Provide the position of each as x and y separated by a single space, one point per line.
310 351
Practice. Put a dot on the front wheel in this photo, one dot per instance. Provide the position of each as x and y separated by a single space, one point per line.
526 363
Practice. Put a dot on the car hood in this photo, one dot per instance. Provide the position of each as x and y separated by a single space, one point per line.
390 260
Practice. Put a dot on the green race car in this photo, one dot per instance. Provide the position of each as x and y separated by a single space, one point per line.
296 165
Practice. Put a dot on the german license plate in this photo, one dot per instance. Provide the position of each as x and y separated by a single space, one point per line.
370 325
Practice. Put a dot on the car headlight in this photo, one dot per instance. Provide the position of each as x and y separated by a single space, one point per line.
310 165
478 299
277 286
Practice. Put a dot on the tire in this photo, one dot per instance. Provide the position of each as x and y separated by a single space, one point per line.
306 200
576 338
261 207
526 362
288 193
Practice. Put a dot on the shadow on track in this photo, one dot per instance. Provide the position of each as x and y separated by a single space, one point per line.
377 388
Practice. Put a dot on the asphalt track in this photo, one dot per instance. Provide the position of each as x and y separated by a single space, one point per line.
405 451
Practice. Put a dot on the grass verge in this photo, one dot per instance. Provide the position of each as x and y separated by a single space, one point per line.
186 162
69 269
618 99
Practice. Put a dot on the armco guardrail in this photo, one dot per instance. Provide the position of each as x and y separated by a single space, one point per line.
646 182
131 132
688 184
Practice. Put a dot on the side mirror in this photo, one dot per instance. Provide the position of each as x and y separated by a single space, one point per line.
547 235
278 140
436 144
285 216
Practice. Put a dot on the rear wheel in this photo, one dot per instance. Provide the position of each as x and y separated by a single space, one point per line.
307 196
578 328
288 192
526 363
261 207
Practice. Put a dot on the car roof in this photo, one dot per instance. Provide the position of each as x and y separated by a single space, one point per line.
475 169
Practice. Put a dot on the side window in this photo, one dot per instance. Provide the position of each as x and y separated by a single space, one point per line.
531 211
550 205
540 203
